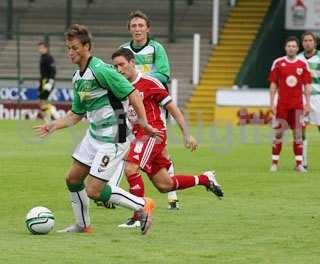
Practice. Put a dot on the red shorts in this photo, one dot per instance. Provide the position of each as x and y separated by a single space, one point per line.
292 118
148 154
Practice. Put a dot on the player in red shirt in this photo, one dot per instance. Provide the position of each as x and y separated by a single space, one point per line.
290 79
146 152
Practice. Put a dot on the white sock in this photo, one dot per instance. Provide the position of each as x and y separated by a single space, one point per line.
80 206
305 150
173 194
125 199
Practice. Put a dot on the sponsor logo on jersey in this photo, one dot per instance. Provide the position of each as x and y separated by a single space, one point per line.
299 71
148 58
291 81
84 96
101 170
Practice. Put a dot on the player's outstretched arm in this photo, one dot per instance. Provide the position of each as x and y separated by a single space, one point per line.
189 140
69 120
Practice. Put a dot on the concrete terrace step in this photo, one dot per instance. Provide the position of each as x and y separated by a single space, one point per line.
110 16
225 60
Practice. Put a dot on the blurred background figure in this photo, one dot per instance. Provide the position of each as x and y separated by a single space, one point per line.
46 82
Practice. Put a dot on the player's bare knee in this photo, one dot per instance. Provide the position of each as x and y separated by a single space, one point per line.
130 169
164 187
72 179
161 189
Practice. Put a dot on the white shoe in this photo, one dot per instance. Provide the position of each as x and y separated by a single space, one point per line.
300 168
75 228
274 168
131 223
213 186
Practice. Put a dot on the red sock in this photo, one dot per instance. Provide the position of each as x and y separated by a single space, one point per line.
276 149
298 150
136 185
136 188
183 182
203 180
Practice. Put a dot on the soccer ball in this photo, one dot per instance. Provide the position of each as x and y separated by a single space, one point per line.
39 220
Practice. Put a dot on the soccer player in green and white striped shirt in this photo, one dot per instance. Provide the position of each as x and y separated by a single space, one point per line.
312 56
150 56
102 94
151 59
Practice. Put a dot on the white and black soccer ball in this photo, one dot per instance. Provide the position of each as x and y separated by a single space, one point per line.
39 220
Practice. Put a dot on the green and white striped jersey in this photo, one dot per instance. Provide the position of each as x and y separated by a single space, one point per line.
314 67
151 59
101 93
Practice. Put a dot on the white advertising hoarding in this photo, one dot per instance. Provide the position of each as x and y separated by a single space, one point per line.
247 98
303 14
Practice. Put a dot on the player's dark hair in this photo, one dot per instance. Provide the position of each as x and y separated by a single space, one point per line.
43 43
79 32
309 33
128 54
292 38
140 14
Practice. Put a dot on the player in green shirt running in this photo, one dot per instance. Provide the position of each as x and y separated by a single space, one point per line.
102 94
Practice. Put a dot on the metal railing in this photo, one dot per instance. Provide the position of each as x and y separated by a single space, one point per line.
171 35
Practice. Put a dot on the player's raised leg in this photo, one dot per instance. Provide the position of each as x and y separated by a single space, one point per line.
164 183
97 189
173 202
105 164
115 181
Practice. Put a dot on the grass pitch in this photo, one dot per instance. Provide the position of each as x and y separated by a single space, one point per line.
264 217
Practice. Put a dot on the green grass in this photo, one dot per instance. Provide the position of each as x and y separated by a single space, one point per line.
264 218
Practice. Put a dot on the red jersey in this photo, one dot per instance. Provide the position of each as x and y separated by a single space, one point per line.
290 77
155 96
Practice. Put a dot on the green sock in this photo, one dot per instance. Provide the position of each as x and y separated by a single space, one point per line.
75 187
105 194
